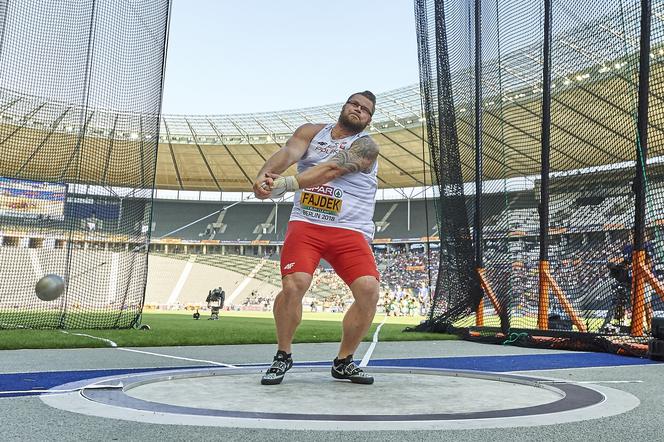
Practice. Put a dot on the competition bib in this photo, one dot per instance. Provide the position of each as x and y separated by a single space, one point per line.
321 202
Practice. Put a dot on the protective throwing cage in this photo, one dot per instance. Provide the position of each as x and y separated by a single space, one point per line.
546 127
80 101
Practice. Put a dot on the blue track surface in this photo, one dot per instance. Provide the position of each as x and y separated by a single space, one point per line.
517 362
49 379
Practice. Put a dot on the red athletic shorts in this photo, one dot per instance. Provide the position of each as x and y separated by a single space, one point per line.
346 250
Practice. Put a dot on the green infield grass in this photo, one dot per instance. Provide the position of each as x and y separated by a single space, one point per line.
180 329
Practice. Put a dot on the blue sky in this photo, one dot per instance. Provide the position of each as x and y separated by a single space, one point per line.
261 55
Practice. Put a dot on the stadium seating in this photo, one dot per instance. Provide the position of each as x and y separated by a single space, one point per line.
207 272
243 221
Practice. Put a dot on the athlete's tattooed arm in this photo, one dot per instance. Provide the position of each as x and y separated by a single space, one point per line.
360 157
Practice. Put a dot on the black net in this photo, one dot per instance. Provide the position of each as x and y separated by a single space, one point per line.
571 283
80 99
444 132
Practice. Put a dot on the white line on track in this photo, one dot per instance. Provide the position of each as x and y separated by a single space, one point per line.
221 364
114 345
71 390
374 341
68 390
598 382
108 341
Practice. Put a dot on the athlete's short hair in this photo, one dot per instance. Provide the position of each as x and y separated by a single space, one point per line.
367 94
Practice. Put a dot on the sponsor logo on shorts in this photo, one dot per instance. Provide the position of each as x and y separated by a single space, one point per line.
289 266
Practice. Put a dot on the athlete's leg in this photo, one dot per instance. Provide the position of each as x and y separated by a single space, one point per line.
351 257
287 307
300 256
359 316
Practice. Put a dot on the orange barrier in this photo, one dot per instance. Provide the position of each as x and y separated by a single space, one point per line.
641 309
652 280
543 304
548 283
488 291
479 314
638 325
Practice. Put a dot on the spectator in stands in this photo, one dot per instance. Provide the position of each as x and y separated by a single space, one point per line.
412 306
628 250
386 305
332 219
92 222
393 306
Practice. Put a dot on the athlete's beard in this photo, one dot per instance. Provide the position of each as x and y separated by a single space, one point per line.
354 125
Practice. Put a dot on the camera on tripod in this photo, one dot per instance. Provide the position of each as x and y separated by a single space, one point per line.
215 301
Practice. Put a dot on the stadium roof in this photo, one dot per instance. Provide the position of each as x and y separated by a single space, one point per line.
197 152
225 152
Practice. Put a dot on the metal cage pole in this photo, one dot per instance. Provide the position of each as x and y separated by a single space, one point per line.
546 281
543 307
638 324
477 222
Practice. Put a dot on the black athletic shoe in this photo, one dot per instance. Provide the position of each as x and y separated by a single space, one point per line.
281 364
346 369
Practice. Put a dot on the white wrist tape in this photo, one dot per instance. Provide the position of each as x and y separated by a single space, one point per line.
284 184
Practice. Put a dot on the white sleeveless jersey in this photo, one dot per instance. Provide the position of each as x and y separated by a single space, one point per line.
346 202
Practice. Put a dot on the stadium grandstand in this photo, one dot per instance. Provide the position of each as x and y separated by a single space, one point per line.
206 163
